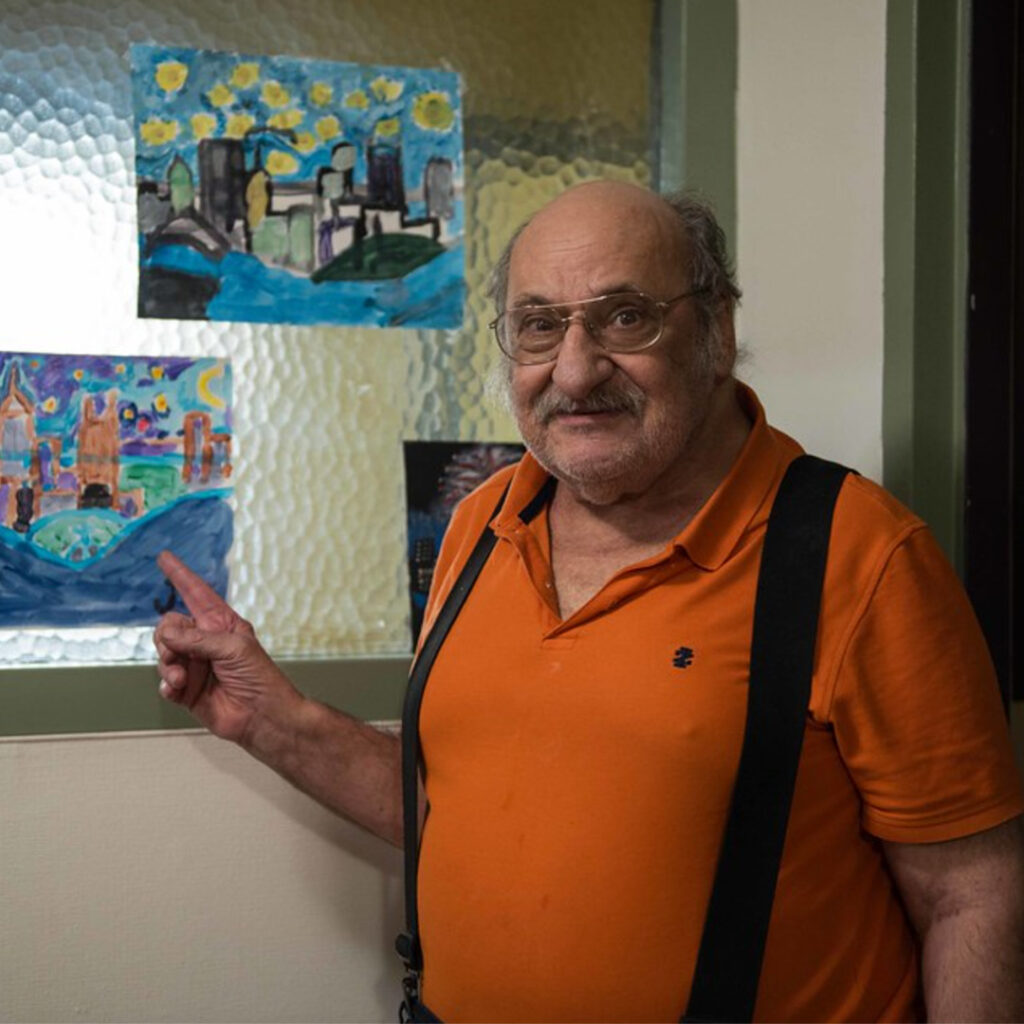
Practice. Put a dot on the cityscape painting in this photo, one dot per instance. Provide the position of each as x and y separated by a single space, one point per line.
282 190
104 462
438 475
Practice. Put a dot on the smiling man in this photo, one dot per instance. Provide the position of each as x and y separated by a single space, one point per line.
583 721
639 430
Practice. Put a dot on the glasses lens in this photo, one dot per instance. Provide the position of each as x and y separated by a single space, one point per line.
625 322
533 331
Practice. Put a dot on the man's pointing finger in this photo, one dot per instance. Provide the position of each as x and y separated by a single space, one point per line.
198 595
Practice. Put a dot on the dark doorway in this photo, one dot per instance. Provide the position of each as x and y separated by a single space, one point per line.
993 485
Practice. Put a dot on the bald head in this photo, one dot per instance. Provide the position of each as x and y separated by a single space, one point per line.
608 201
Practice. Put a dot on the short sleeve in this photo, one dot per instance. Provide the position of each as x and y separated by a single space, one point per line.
917 713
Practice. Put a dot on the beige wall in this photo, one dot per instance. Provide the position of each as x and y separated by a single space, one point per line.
171 878
810 123
165 877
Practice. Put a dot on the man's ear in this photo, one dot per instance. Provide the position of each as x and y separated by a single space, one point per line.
725 349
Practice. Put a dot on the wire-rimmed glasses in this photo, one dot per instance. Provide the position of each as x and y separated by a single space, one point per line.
620 322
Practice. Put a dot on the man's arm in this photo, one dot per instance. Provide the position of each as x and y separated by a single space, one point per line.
212 664
966 900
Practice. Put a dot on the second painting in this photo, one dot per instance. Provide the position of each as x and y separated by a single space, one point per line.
105 461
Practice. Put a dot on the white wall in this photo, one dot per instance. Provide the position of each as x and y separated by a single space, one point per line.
166 877
810 157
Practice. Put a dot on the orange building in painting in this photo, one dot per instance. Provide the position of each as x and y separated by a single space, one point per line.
17 444
206 452
99 453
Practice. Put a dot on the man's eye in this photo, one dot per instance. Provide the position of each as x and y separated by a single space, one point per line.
538 323
626 316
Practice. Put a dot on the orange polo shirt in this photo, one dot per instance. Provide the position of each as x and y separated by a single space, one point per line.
578 772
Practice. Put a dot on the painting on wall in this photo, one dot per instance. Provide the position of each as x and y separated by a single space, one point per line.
283 190
104 462
438 475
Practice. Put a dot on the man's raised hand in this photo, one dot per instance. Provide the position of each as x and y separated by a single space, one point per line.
210 660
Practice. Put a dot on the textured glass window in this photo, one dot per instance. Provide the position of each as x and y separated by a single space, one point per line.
554 93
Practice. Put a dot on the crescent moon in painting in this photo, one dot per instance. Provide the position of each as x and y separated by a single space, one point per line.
203 386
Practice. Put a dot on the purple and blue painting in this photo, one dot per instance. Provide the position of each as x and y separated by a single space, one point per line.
438 475
105 462
283 190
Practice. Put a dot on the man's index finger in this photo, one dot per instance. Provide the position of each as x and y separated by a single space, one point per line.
199 597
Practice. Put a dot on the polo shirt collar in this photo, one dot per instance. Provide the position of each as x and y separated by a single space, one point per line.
529 486
738 503
740 500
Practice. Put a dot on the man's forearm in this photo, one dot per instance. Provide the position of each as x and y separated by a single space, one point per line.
346 765
973 967
966 899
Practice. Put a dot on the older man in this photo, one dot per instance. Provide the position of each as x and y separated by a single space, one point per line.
578 767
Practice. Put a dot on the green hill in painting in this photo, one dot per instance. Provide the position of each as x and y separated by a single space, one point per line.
379 258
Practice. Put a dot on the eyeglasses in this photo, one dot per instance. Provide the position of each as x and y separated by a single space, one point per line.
622 322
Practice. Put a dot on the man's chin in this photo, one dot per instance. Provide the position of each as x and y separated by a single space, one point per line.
594 470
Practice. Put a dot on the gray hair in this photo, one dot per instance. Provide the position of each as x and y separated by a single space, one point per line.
711 270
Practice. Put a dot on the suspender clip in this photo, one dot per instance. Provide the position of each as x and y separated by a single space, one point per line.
409 950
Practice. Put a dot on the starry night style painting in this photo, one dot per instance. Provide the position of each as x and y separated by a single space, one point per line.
104 462
283 190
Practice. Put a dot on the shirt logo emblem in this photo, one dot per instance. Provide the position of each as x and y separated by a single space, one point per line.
683 657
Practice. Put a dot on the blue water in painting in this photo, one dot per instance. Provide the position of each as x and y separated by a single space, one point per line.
432 295
119 584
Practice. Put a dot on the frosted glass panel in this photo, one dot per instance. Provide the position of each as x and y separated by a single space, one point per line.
554 93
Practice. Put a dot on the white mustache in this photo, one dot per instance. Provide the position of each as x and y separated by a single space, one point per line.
625 397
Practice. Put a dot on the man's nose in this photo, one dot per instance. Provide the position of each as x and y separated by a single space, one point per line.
582 364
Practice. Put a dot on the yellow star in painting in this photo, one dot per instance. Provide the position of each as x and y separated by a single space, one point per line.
156 132
328 127
286 119
170 75
203 125
238 125
386 89
433 111
279 163
274 94
245 74
320 94
220 95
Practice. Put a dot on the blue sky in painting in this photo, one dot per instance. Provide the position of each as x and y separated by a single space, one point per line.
298 85
153 394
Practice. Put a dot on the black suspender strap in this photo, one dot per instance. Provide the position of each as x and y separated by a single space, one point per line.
408 943
788 601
